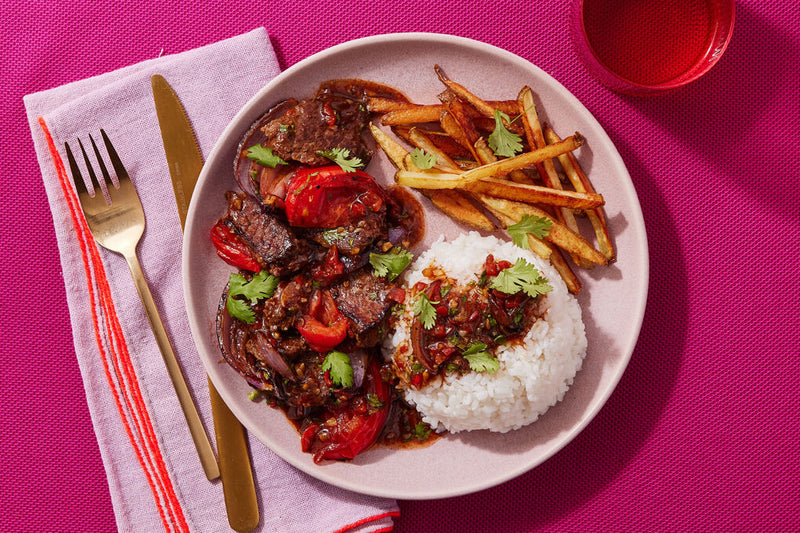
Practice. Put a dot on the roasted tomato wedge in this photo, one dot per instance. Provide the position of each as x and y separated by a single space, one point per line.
330 267
329 197
324 326
232 249
358 422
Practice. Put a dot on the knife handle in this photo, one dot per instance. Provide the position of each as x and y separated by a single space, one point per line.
238 487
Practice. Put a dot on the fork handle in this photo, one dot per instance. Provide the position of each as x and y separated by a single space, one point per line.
199 436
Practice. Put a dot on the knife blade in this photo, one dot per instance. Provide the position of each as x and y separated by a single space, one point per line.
185 162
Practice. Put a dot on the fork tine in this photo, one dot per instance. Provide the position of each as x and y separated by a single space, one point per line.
92 176
103 169
77 178
119 169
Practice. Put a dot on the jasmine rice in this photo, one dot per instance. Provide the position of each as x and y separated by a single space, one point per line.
535 371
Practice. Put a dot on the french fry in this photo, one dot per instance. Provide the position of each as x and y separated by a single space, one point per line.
471 184
559 234
377 104
581 183
446 180
392 148
441 139
429 179
486 156
451 125
413 114
483 107
457 206
536 194
547 171
461 125
527 159
544 249
562 267
424 142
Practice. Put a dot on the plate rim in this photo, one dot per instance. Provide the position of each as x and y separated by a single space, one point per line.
643 280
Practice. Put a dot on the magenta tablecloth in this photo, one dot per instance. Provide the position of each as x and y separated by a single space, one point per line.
702 433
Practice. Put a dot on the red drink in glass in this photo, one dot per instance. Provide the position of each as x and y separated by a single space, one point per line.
649 46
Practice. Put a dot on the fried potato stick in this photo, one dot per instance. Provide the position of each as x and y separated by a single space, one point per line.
483 107
559 234
580 181
547 171
535 194
394 150
510 214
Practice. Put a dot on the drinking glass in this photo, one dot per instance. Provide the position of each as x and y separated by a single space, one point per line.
646 47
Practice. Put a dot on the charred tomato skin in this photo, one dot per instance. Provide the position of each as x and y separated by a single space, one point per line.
329 197
356 427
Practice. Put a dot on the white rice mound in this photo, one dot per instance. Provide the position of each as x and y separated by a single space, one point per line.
534 374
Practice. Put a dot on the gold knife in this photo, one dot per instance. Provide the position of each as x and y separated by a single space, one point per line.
185 162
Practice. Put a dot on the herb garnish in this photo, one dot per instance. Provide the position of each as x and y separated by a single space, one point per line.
422 431
260 287
502 141
391 264
423 159
341 371
423 308
522 276
341 156
264 156
479 359
537 226
375 403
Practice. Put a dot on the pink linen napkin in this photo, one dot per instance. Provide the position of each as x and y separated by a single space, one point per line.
154 475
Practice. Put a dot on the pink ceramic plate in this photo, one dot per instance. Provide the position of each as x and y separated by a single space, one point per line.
613 297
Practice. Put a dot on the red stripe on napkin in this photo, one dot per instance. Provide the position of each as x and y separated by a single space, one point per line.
120 373
390 514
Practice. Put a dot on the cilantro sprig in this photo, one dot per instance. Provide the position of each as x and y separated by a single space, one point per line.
423 159
522 276
262 286
537 226
339 368
264 156
390 264
341 156
422 431
503 142
479 359
423 308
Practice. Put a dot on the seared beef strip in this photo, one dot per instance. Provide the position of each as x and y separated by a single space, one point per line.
322 123
363 298
271 240
354 238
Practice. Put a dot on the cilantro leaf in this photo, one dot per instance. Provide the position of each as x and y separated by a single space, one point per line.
479 359
240 310
536 226
503 142
264 156
522 276
262 286
341 156
423 308
392 264
341 371
422 431
423 159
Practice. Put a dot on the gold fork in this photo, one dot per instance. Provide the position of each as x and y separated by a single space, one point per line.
118 226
